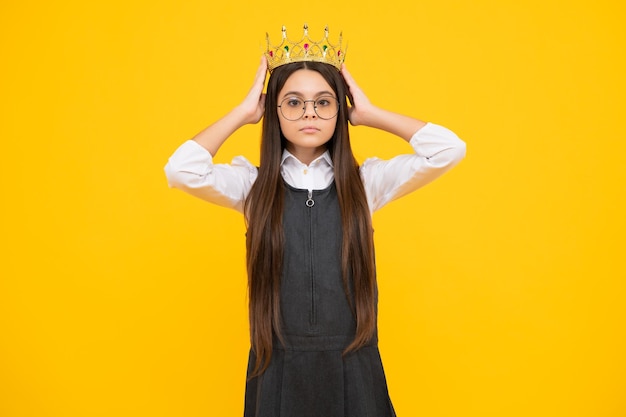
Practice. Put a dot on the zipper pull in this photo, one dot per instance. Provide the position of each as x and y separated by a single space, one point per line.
309 201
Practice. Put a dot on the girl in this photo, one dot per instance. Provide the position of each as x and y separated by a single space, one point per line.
310 254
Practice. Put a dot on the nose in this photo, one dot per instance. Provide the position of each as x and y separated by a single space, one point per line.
309 111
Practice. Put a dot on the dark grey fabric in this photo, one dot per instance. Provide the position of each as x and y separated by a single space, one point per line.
310 376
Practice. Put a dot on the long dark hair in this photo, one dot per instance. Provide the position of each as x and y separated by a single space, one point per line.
264 213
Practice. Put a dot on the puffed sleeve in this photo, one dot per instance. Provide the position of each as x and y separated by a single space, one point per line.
191 169
437 150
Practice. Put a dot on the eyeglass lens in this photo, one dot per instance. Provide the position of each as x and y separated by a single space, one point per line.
293 108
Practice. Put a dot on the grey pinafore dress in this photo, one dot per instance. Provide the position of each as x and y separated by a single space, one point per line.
309 376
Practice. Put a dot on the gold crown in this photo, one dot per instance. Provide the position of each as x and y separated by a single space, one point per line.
306 49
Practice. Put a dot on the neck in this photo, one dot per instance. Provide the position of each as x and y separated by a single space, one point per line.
306 155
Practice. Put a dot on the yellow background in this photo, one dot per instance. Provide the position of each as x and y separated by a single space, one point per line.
502 284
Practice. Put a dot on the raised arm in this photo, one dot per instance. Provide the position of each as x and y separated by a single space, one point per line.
436 150
363 112
249 111
191 168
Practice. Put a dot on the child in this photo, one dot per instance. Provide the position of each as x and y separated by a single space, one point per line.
308 206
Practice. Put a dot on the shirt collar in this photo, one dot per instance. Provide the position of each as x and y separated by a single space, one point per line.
288 155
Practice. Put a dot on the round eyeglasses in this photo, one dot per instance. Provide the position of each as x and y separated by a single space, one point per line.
293 108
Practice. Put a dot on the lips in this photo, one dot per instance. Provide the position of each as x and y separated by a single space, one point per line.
309 129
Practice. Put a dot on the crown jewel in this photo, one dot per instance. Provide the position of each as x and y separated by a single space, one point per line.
306 49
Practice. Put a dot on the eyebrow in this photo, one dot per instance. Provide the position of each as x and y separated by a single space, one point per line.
297 93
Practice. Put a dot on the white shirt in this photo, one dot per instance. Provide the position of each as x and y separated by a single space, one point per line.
436 150
315 176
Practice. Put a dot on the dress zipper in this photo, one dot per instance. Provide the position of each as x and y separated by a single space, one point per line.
310 203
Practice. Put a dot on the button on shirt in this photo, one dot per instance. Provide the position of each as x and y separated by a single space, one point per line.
436 150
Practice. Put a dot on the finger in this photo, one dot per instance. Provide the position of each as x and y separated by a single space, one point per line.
350 97
261 72
263 64
347 76
349 80
259 78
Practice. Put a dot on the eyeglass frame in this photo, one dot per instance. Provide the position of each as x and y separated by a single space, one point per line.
314 107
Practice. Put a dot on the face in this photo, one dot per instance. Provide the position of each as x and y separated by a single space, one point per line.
307 136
